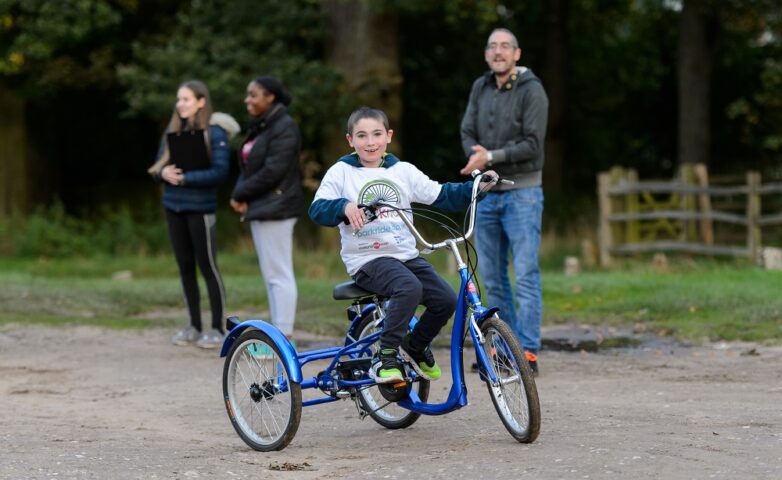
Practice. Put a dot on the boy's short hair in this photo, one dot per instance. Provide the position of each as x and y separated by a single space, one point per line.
367 112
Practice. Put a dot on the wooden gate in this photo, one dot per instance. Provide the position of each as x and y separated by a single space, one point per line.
679 215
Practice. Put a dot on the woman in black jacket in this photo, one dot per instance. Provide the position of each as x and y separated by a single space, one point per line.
269 195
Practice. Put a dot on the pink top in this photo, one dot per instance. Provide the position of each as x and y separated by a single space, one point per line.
246 149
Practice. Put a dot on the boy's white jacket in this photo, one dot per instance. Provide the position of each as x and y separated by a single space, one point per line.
394 182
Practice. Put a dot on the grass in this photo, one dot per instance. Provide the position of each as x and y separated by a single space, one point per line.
695 301
705 303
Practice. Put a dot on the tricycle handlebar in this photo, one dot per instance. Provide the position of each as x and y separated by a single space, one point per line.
479 178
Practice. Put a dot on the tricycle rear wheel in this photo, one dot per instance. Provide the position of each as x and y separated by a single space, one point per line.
263 404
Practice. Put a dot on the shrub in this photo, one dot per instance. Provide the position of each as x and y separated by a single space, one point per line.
50 231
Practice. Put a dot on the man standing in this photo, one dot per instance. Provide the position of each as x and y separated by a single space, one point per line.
504 128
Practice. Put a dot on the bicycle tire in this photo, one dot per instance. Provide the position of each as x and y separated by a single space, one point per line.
516 396
392 416
257 391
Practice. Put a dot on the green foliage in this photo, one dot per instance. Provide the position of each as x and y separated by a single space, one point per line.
59 42
747 85
758 114
52 232
621 66
441 45
620 80
228 43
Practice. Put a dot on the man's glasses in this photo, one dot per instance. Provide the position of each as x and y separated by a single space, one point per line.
504 46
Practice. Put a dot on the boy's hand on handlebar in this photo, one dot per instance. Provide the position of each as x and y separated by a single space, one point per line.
492 178
356 216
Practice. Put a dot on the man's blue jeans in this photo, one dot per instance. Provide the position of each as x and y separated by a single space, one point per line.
509 223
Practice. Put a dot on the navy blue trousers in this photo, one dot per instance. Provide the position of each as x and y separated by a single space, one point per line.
407 285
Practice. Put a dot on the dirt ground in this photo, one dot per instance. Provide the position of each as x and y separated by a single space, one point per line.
89 403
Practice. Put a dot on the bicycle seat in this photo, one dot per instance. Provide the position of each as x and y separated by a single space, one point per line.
350 291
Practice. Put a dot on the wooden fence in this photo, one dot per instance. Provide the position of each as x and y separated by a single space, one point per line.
680 215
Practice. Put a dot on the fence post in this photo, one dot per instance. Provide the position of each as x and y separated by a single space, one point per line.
753 214
704 204
604 234
632 206
618 205
687 175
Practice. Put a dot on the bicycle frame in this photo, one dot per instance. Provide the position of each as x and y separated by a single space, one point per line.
470 313
295 362
468 300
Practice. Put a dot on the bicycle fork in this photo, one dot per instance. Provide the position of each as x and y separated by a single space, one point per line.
483 360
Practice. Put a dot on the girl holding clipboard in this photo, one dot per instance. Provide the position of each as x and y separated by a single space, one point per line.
192 161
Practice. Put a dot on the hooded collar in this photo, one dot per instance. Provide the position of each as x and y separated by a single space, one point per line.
257 125
519 77
389 160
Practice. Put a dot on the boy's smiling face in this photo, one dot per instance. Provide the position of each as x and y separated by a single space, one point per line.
370 140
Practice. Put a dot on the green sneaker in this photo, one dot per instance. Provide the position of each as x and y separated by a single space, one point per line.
386 367
422 360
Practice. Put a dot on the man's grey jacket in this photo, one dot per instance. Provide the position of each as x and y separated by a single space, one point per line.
510 121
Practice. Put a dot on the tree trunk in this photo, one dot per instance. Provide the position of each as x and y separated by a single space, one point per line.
555 78
362 45
694 72
14 168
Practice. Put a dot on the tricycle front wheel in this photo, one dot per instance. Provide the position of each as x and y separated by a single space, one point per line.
515 396
263 404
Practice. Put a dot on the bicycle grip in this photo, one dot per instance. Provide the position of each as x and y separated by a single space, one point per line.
369 213
491 178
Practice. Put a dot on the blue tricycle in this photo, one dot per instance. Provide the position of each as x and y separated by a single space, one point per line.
262 391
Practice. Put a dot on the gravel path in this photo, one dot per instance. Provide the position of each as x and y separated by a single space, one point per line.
81 402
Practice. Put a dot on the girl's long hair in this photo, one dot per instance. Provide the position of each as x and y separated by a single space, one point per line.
176 125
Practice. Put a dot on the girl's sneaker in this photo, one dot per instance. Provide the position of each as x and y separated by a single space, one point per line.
386 367
186 336
211 339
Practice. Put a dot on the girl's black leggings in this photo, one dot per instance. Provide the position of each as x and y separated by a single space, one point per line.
193 239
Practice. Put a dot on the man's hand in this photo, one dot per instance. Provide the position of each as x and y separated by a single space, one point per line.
356 216
478 160
239 207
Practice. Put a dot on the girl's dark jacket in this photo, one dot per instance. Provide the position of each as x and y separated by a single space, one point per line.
270 180
198 191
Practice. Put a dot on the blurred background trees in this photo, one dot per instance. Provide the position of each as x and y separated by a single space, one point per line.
86 85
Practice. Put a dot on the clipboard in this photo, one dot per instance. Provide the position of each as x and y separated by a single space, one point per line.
188 150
